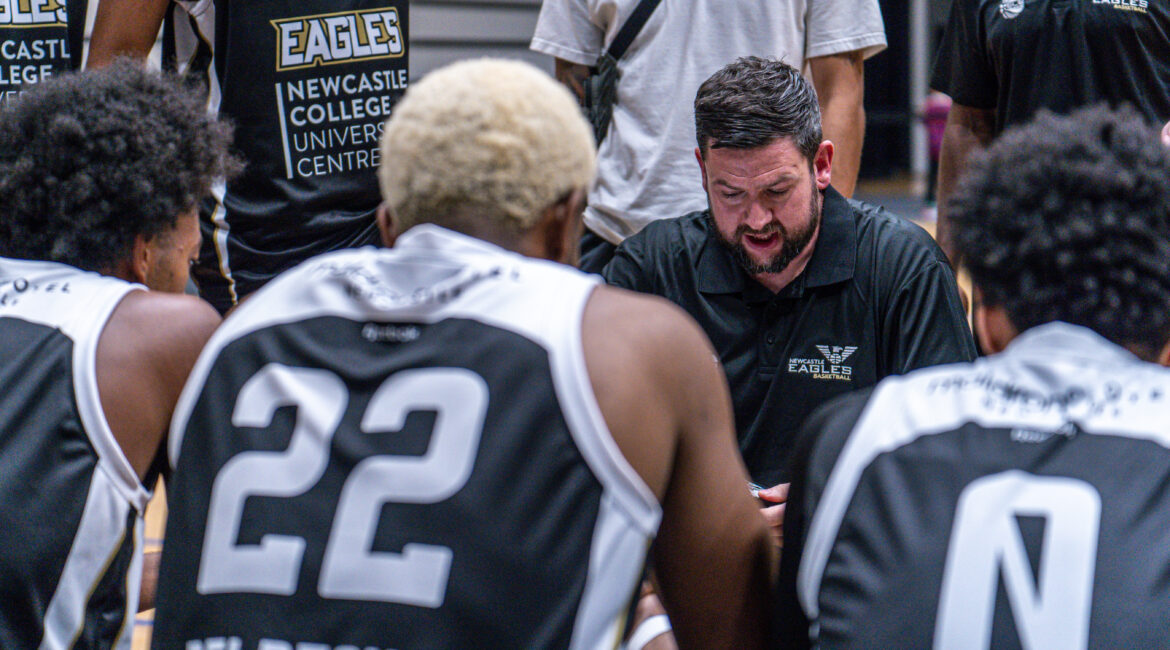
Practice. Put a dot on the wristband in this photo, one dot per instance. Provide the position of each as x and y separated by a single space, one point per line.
648 630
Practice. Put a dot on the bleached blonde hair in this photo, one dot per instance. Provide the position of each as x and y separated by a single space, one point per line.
493 137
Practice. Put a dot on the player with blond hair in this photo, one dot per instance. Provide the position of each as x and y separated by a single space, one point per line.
459 442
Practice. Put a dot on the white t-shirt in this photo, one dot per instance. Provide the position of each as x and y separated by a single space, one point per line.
647 168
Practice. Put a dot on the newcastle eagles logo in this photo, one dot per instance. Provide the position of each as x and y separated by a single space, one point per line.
32 13
831 366
343 37
837 354
1011 8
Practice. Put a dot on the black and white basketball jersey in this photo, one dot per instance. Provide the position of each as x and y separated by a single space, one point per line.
71 521
308 85
1021 501
400 448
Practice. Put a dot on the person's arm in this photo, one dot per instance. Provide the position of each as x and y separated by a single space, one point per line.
839 80
573 75
565 31
968 129
125 28
145 352
713 558
147 587
144 355
667 404
713 550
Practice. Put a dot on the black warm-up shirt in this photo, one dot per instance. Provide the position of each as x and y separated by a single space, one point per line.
1017 57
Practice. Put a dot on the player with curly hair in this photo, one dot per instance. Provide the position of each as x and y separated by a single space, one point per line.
100 176
1019 500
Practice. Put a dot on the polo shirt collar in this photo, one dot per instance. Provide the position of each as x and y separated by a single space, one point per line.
833 259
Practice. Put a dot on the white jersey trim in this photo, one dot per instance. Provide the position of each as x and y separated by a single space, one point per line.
95 546
89 404
90 18
94 299
590 431
618 550
616 557
942 399
220 239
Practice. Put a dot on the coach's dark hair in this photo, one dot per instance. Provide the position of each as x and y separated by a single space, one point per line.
89 161
754 101
1068 218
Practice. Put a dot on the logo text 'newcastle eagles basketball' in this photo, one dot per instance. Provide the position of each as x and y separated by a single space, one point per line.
343 37
32 13
831 366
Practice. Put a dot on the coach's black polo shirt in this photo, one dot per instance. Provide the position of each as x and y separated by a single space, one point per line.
877 298
1018 56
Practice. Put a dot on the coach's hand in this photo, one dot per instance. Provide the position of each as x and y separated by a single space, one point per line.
775 514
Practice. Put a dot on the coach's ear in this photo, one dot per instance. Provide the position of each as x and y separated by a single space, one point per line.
387 225
1164 355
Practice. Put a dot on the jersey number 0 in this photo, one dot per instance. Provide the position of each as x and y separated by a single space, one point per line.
1051 609
418 575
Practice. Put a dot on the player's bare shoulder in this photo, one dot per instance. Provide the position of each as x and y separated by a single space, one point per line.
654 373
640 324
146 350
168 326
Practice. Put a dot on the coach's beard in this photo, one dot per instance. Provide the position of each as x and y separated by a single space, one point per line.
792 244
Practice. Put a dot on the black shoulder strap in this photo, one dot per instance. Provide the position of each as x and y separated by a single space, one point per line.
633 25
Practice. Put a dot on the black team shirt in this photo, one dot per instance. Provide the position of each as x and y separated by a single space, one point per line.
876 299
1017 57
308 85
38 39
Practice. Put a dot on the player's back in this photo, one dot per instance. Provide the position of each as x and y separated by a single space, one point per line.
71 522
1020 501
401 449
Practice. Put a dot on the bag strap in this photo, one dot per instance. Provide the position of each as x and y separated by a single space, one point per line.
633 25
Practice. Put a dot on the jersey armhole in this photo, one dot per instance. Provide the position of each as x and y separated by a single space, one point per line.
590 432
111 459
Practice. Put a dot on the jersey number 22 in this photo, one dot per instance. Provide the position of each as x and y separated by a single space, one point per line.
418 575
